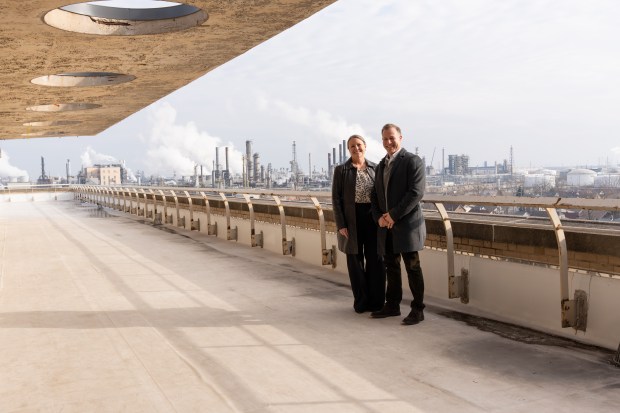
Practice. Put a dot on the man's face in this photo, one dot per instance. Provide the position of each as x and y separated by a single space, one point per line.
391 140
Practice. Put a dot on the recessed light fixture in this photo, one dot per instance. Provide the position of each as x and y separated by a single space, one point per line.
63 107
53 123
83 79
117 19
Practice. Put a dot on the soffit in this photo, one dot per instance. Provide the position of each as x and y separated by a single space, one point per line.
161 63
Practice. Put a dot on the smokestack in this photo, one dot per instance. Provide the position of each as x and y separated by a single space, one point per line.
310 166
217 162
344 150
213 176
262 173
227 182
248 160
329 165
256 168
68 170
334 160
339 154
226 149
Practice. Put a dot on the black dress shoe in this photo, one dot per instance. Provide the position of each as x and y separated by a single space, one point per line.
386 311
414 317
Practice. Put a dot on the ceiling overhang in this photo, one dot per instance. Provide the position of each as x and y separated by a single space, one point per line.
63 83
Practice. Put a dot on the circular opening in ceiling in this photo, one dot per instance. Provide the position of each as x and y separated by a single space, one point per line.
53 123
115 18
63 107
82 79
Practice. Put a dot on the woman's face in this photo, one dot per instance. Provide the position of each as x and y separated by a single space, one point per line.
357 148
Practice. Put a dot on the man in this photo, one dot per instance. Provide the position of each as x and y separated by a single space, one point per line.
399 187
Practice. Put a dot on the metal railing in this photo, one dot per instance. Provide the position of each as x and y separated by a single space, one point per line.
573 311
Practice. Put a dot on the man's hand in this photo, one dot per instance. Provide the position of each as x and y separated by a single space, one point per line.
344 232
382 222
389 222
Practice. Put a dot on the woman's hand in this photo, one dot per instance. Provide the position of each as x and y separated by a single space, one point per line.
344 232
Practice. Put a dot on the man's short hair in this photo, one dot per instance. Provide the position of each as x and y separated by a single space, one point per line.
390 125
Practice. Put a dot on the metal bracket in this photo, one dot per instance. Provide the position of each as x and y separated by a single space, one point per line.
257 239
329 256
288 247
231 234
195 225
212 229
575 312
458 286
616 359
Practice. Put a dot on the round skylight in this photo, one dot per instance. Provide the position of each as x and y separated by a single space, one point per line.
125 18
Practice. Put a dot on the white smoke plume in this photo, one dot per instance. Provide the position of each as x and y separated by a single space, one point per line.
91 157
8 170
178 148
330 129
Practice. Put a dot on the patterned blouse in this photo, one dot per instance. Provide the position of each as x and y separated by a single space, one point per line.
363 186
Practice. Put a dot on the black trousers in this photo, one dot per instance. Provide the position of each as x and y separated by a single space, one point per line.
394 293
366 270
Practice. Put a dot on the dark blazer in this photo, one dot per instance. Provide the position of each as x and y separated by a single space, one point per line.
404 192
343 202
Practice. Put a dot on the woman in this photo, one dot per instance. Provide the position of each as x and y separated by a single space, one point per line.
357 232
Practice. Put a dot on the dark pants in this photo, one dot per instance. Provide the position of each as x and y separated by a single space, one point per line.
394 293
366 270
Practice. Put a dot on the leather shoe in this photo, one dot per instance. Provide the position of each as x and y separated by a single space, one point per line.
386 311
414 317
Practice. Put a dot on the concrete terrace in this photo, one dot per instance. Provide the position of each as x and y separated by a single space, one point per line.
102 312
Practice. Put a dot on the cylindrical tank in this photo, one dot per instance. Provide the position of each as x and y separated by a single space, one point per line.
607 180
580 177
538 180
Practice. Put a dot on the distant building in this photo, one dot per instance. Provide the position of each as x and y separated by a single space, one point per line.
458 164
103 175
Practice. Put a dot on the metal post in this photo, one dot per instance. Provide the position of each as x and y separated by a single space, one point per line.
288 247
255 239
231 234
458 286
574 312
328 256
211 229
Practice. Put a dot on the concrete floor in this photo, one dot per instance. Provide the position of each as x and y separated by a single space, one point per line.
104 313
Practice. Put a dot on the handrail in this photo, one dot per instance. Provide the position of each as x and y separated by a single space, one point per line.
573 314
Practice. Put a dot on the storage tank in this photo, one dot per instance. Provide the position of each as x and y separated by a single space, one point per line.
538 180
580 177
607 180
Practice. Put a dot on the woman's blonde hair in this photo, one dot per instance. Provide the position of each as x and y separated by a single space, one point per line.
356 137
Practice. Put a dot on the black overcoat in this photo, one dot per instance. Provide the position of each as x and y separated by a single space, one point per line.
343 202
402 200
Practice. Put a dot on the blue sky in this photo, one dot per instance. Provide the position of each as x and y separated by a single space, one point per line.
474 77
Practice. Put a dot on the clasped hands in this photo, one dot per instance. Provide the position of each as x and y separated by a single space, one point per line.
386 221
